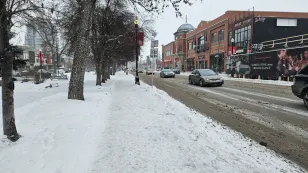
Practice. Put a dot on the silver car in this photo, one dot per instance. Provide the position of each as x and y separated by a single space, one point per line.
167 73
204 77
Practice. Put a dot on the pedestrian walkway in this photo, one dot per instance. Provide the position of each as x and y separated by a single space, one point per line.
148 131
122 127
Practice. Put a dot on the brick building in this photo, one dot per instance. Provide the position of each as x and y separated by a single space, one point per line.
174 53
209 45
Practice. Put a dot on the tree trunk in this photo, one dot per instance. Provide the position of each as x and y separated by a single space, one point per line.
81 52
104 78
8 116
98 74
108 72
75 89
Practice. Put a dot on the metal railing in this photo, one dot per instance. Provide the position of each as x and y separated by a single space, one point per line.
299 39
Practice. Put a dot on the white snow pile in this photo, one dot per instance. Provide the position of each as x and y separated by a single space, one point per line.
272 82
228 77
122 127
58 135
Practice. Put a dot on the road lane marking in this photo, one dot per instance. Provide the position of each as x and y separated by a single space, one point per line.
261 95
254 102
264 120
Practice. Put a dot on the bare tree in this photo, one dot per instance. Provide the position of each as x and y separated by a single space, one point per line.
81 21
8 10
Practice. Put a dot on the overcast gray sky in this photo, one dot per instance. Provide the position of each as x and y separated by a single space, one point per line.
166 24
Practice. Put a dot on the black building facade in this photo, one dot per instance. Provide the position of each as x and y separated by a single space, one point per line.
269 47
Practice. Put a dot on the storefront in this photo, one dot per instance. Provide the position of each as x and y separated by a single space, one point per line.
167 62
190 64
201 62
217 62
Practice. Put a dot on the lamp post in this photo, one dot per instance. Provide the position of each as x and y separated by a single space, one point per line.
233 68
136 30
41 64
232 43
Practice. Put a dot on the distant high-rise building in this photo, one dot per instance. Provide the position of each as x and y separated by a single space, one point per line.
33 39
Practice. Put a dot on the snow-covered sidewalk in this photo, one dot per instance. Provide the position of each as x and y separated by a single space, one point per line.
228 77
122 127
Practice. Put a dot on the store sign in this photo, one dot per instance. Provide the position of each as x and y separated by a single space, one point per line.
240 51
242 23
230 50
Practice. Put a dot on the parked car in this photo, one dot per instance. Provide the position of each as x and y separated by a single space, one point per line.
176 71
148 72
300 85
140 71
204 77
167 73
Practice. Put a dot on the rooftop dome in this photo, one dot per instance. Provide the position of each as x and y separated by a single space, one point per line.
185 28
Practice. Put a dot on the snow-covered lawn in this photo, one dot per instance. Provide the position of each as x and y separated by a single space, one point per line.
122 127
228 77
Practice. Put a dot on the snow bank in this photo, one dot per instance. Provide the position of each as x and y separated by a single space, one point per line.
271 82
148 131
58 135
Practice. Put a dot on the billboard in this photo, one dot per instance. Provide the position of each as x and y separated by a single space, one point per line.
281 62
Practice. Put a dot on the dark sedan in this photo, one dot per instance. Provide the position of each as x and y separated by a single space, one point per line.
167 73
300 85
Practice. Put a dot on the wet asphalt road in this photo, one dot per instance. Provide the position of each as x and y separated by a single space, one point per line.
267 113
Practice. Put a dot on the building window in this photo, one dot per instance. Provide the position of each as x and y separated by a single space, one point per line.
230 37
287 22
214 37
201 40
242 37
221 35
189 46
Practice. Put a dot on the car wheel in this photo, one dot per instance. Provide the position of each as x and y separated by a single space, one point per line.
220 84
305 99
174 76
201 83
189 80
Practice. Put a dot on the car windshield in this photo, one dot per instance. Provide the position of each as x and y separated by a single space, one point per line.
207 72
167 70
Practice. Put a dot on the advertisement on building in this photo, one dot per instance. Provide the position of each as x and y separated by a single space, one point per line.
282 62
263 64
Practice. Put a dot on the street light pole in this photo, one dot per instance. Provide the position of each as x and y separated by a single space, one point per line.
136 30
41 65
233 68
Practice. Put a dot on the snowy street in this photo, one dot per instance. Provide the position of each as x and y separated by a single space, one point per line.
122 127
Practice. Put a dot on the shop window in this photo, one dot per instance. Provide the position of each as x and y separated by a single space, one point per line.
242 36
